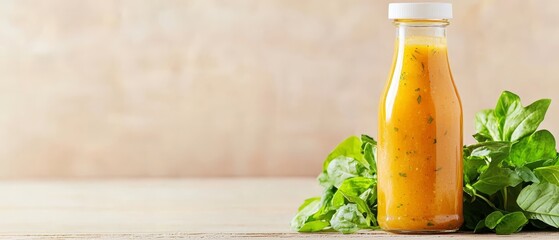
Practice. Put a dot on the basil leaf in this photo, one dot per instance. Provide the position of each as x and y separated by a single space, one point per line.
348 219
496 151
338 200
507 104
493 219
480 137
549 174
307 211
325 202
353 188
474 163
510 121
471 168
314 226
366 194
495 178
487 126
468 189
372 199
368 153
524 121
511 223
356 186
369 150
324 180
539 145
350 148
526 174
541 201
342 168
367 139
540 163
505 223
307 202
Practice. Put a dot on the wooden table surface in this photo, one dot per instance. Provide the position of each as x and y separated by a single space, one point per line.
170 208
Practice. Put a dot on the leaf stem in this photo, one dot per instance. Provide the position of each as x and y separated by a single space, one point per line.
505 198
487 201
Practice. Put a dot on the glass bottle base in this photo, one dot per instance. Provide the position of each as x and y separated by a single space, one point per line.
422 231
440 223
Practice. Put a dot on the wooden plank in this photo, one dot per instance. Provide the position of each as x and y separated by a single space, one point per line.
168 208
322 236
157 205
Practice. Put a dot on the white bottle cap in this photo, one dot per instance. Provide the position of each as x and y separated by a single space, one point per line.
419 11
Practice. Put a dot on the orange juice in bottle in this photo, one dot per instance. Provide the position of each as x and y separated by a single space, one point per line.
420 127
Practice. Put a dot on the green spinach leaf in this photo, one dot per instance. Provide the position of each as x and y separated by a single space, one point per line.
307 202
505 223
368 153
348 219
367 139
356 186
526 174
509 121
495 151
495 178
342 168
314 226
487 126
472 168
549 174
325 202
524 121
540 163
349 148
353 188
538 146
308 210
338 200
511 223
507 104
493 219
541 201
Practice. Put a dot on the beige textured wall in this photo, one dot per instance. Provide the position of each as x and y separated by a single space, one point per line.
232 87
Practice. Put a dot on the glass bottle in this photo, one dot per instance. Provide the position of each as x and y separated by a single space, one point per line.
420 127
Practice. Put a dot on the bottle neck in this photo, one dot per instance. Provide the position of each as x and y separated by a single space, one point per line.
421 32
421 52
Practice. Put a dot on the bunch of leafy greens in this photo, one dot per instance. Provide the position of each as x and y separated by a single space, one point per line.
511 177
348 201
